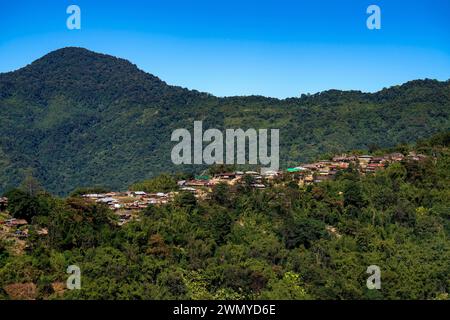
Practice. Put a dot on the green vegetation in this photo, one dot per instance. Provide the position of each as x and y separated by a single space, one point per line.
283 242
161 183
78 118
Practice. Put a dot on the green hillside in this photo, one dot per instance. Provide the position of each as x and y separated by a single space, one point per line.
282 242
79 118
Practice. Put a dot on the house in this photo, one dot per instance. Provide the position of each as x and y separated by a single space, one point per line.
332 172
364 158
21 233
198 183
258 185
320 178
416 157
132 205
377 160
115 194
94 196
108 200
226 176
310 166
339 158
324 172
16 222
125 216
3 203
42 232
343 165
344 158
308 179
396 156
270 173
372 167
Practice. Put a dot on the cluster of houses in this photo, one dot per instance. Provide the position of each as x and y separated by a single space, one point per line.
326 169
130 200
305 174
15 227
202 183
127 204
19 228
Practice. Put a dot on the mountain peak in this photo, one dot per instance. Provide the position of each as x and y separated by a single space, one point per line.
72 50
75 59
78 55
82 73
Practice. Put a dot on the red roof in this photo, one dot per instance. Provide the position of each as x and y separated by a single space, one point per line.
374 165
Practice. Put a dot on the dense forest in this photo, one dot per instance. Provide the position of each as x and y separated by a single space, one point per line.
283 242
78 118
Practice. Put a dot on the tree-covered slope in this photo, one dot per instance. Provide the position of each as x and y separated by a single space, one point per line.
81 118
282 242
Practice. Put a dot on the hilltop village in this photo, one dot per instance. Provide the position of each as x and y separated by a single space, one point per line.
127 205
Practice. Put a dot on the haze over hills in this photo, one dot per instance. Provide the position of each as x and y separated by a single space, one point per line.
79 118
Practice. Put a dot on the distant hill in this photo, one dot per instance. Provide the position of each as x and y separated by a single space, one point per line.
80 118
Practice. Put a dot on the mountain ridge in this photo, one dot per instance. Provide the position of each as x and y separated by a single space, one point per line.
76 52
78 118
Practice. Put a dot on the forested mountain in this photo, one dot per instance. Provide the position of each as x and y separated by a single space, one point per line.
78 118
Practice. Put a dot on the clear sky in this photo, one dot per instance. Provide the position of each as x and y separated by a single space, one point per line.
278 48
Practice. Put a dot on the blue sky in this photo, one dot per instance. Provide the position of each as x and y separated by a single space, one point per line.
274 48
